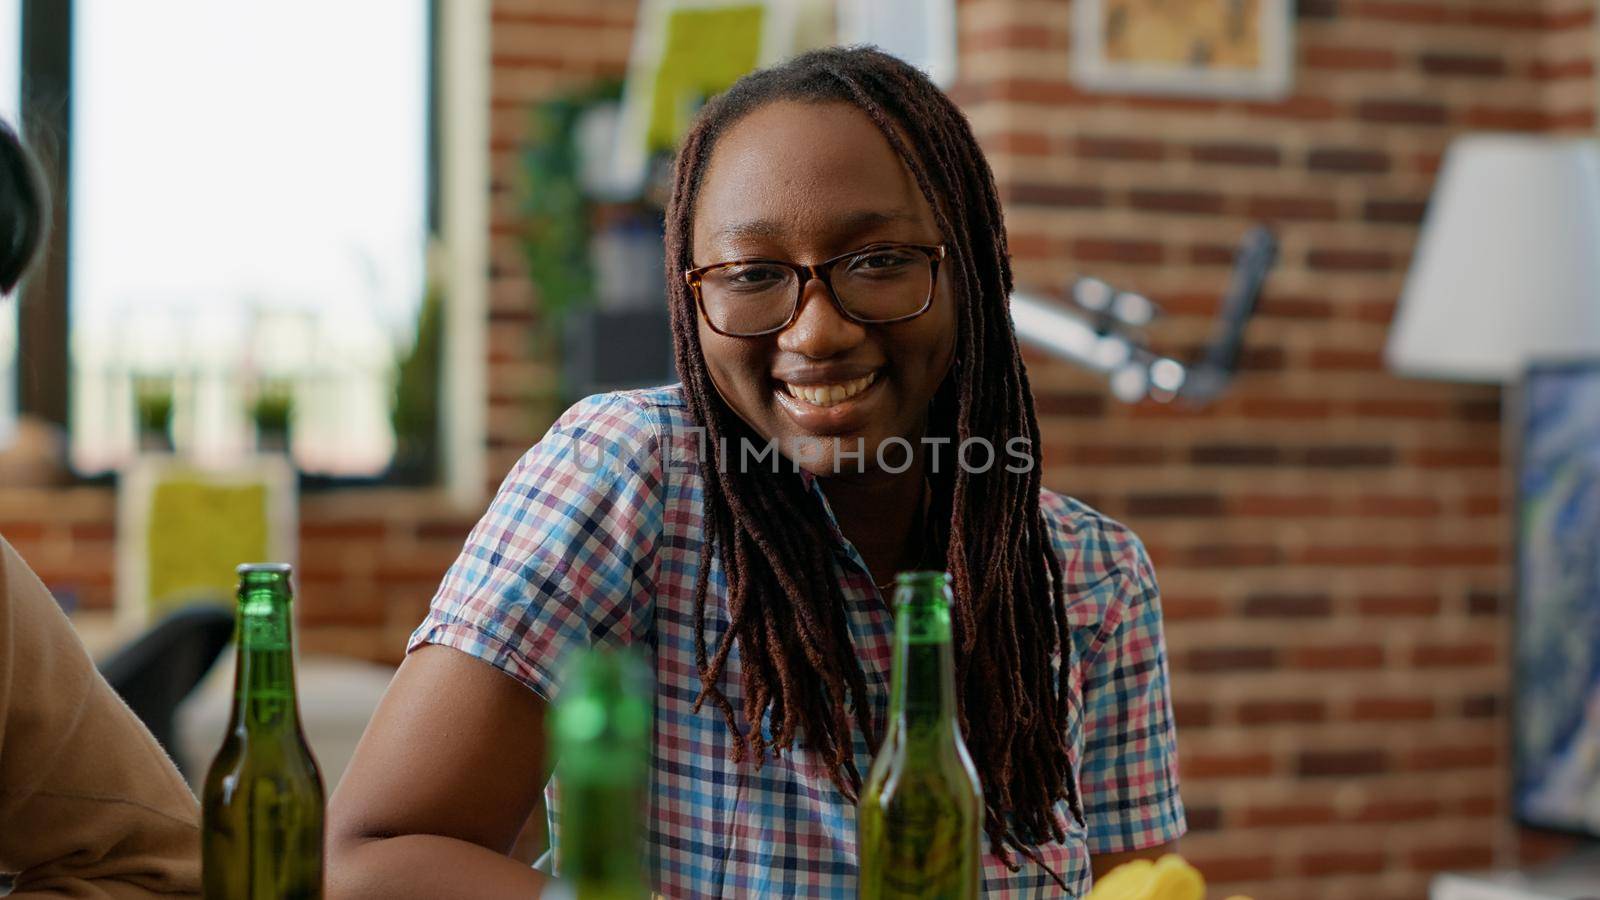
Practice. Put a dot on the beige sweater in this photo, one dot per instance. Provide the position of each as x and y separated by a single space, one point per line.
90 805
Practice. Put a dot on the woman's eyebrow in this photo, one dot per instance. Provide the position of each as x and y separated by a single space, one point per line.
852 223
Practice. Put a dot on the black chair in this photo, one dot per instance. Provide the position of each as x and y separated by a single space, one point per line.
155 672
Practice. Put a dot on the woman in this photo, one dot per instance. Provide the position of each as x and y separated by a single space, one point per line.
873 335
90 805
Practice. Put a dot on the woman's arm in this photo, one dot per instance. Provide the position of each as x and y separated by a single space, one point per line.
444 778
90 806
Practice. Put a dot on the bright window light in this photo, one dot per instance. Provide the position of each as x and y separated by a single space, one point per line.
249 213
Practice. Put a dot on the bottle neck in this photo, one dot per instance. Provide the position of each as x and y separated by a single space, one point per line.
922 697
263 683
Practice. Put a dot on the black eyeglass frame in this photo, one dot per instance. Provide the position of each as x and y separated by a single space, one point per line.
821 271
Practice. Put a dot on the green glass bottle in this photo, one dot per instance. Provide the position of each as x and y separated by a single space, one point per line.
262 805
601 734
922 808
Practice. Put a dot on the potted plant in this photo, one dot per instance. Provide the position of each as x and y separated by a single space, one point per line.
152 400
272 410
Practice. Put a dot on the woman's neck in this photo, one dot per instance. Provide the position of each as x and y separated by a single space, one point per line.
878 512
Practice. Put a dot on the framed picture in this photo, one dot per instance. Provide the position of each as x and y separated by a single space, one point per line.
182 530
1222 48
1556 664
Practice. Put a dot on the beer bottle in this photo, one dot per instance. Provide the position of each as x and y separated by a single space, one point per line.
262 805
601 735
920 813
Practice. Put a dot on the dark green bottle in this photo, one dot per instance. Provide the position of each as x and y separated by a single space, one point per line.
921 811
262 806
601 734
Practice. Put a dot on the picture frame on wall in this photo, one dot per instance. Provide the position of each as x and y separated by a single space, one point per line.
1205 48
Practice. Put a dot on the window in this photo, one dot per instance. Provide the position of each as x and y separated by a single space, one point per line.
249 221
10 105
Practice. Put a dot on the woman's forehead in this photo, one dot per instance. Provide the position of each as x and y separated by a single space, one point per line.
790 169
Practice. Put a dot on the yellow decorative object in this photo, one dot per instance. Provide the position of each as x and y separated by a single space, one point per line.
705 51
1168 878
198 533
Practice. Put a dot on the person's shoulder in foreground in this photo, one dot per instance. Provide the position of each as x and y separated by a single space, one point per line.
1129 772
90 805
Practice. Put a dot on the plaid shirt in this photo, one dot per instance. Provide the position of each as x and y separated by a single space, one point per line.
595 538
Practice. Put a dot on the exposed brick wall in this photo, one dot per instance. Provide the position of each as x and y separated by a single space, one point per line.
1332 540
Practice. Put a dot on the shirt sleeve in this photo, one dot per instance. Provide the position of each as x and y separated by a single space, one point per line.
90 805
565 557
1129 775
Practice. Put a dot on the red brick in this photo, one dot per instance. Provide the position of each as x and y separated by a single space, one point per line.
1120 148
1343 57
1398 11
1192 713
1347 159
1350 862
1343 763
1453 756
1288 606
1404 112
1299 208
1481 706
1016 38
1456 855
1391 809
1399 606
1507 18
1169 506
1065 196
1282 506
1504 118
1070 404
1019 143
1480 507
1409 410
1223 556
1545 70
1133 252
1232 659
1204 203
1224 869
1355 656
1395 212
1274 712
1205 766
1391 709
1237 154
1297 107
1182 607
1349 260
1287 815
1331 359
1471 65
1355 456
1442 655
1399 507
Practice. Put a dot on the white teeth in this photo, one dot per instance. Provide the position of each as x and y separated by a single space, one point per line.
825 395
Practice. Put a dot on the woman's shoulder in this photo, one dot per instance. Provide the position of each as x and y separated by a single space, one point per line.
1091 545
637 413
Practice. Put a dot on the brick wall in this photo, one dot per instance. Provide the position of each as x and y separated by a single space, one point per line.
1331 539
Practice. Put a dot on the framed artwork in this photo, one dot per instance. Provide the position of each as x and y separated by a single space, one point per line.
1222 48
1556 665
182 529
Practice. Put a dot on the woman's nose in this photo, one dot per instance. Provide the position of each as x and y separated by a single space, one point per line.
820 329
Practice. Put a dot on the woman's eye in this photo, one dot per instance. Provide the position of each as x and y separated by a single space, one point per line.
881 261
753 277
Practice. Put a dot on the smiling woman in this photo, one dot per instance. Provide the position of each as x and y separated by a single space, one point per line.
840 279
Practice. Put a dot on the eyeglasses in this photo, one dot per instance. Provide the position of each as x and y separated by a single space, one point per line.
874 285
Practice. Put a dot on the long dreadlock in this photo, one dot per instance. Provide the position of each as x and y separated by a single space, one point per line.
786 607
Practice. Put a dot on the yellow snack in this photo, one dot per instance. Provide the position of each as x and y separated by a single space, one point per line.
1168 878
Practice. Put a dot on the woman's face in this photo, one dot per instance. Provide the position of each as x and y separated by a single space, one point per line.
806 182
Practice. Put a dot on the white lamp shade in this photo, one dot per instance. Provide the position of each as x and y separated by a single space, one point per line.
1507 269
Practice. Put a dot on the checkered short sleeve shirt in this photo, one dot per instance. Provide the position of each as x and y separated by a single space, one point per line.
595 538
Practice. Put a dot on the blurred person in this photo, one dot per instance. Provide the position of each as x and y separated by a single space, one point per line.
838 280
90 805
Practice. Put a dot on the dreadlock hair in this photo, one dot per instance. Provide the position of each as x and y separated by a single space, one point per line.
24 208
785 605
